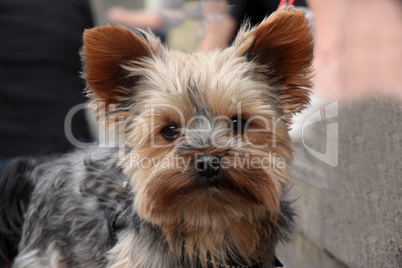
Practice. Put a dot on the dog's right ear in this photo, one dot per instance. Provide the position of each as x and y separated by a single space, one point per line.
106 50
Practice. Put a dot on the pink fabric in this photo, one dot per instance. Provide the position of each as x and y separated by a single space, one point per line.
358 48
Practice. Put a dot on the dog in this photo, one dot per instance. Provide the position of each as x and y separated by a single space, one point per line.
201 173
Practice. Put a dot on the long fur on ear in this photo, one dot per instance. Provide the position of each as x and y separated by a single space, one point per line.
283 45
106 50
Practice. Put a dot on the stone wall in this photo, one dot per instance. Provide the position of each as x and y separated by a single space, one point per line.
350 214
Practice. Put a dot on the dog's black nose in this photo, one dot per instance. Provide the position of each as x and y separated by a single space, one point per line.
207 165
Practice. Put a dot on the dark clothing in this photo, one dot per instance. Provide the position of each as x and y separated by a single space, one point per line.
255 10
40 74
3 164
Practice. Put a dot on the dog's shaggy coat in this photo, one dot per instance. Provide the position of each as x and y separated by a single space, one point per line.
173 217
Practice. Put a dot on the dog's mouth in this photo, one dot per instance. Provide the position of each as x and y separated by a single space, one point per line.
200 181
205 181
222 183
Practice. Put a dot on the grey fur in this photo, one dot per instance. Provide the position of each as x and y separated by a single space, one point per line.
70 204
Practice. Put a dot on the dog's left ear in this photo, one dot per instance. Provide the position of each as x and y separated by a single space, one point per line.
283 45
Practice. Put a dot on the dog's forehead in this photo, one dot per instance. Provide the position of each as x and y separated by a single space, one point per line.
204 70
217 81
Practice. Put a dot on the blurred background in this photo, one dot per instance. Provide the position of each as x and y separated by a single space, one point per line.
348 144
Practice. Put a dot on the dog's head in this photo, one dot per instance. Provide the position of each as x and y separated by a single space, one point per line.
203 136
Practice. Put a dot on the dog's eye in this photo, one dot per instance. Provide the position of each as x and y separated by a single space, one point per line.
238 124
170 132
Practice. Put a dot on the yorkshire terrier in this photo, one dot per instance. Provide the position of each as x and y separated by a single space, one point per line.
201 173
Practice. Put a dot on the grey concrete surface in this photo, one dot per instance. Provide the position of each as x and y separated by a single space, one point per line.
303 253
350 215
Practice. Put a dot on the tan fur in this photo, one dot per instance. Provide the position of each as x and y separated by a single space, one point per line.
267 72
123 255
54 256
